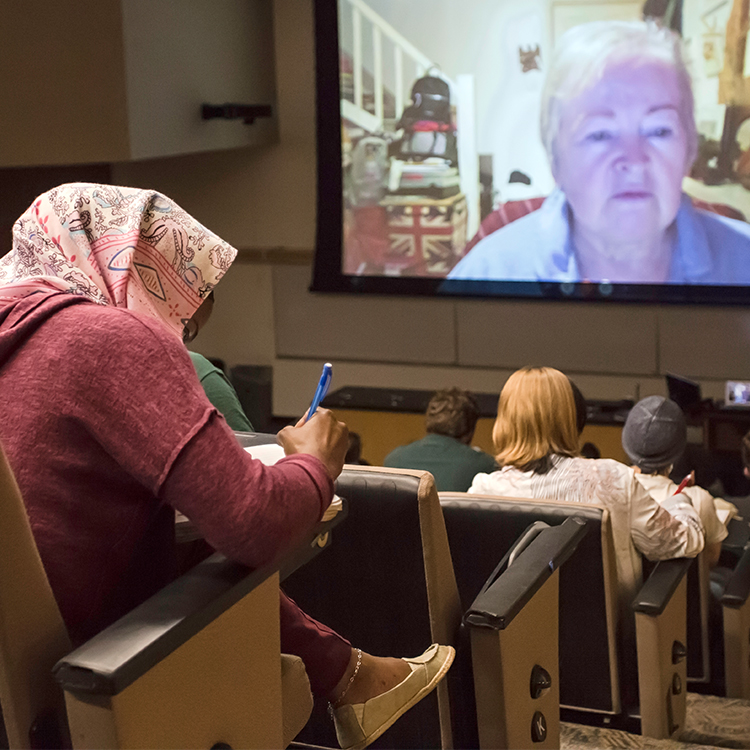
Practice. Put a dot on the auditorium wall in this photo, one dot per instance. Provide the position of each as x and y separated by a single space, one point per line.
262 200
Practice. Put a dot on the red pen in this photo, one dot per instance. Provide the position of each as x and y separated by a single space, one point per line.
688 480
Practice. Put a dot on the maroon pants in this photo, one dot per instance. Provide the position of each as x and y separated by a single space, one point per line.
325 653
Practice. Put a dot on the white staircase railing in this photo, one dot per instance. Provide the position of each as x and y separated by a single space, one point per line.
402 47
365 20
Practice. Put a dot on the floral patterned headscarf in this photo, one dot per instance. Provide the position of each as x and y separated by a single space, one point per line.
118 246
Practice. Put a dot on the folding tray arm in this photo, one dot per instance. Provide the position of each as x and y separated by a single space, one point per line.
195 665
661 634
736 612
514 645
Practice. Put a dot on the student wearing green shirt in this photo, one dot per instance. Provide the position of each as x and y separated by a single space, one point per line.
446 450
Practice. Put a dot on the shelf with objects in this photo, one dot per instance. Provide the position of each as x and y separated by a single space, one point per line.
410 167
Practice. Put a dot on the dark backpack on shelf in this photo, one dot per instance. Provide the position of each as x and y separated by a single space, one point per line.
427 123
431 101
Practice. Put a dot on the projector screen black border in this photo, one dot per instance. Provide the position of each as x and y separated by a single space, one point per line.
327 266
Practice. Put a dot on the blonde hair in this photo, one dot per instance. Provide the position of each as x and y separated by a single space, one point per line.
582 56
536 418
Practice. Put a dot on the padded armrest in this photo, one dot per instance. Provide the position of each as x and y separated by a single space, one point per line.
130 647
121 653
661 584
496 607
737 590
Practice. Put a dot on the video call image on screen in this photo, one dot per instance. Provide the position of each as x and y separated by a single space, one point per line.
545 141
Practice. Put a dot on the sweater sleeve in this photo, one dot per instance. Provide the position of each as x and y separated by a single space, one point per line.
247 510
140 399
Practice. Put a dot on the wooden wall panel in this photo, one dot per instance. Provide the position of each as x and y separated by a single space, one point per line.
572 337
703 342
358 327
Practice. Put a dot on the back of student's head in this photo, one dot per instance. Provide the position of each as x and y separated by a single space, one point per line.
580 403
354 452
536 418
745 450
452 412
655 434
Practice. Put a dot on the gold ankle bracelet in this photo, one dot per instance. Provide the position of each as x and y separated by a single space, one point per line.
332 706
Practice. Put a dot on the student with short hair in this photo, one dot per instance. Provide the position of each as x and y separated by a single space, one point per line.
446 451
745 452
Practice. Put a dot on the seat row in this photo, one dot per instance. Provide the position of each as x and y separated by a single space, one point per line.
413 564
199 664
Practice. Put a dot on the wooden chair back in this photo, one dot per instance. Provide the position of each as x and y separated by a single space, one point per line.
387 584
32 633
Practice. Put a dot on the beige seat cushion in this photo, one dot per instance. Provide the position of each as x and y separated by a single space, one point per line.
296 697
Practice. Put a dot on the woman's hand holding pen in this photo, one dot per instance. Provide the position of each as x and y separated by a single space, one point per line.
322 436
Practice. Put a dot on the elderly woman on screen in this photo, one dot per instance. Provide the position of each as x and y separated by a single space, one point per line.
536 441
617 123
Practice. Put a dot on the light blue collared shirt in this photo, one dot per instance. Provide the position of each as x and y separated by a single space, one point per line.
709 249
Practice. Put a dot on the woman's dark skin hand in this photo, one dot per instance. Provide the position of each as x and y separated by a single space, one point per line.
323 436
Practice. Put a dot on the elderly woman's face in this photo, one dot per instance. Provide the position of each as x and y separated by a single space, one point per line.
621 152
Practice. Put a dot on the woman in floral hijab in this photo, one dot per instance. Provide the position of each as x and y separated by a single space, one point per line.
107 430
118 246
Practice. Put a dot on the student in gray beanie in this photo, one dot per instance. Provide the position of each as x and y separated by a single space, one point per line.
655 434
654 437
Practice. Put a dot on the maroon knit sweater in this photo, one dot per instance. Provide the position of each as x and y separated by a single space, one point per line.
107 430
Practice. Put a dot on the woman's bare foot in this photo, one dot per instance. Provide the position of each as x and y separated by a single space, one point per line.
377 675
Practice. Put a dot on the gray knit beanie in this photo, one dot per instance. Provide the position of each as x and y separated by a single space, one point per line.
655 434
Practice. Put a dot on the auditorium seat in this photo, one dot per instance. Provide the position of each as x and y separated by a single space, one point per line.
719 632
195 665
599 669
387 584
33 634
736 621
505 693
391 565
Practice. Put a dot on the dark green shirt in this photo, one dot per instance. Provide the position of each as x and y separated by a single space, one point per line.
453 463
221 393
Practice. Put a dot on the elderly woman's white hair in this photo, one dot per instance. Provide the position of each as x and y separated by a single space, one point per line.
583 54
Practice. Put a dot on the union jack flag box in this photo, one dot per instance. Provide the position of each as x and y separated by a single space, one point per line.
427 236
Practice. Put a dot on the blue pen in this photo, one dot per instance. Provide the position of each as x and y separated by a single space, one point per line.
321 390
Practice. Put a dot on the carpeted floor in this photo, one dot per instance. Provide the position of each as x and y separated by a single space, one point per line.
711 722
723 722
580 737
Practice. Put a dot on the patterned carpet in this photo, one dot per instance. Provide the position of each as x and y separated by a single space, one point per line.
722 722
580 737
711 722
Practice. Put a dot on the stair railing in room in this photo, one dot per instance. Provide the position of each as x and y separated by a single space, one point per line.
361 16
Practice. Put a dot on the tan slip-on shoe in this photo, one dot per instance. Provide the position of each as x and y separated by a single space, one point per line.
359 724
